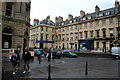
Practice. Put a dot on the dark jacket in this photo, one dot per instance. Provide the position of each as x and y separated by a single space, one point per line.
49 55
14 58
18 56
26 56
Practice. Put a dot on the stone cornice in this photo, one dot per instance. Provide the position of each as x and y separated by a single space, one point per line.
15 19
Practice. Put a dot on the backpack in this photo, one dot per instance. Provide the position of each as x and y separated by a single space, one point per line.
39 53
14 57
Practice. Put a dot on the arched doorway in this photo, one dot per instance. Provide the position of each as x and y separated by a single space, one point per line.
7 38
26 39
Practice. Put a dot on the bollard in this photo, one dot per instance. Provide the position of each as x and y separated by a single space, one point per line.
49 77
2 74
86 68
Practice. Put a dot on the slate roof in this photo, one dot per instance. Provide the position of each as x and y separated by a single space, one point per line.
46 22
102 13
94 15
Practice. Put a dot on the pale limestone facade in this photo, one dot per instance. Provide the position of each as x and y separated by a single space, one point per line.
15 26
95 31
35 34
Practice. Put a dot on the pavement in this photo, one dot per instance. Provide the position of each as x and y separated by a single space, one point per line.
89 53
66 69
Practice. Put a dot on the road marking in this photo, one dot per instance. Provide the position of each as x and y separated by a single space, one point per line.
59 63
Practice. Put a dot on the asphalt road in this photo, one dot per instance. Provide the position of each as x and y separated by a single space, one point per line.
66 68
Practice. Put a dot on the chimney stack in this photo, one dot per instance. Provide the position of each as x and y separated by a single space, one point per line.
82 13
70 17
48 18
116 4
58 19
97 9
35 21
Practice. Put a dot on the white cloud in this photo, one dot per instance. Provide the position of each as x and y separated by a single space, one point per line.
42 8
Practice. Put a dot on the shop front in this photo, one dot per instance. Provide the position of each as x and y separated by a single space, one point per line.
86 44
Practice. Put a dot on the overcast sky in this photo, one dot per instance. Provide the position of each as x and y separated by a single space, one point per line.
40 9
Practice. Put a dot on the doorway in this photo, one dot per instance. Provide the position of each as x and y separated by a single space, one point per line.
63 46
41 45
75 46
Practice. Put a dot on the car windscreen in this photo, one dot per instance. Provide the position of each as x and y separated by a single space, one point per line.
58 52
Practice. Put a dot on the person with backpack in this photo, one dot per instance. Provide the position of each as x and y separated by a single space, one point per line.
26 58
32 54
14 59
39 56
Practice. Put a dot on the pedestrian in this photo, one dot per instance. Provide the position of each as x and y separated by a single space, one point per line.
18 60
45 53
14 59
49 56
32 54
39 56
26 58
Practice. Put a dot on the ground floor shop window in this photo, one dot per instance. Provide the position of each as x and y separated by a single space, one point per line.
71 46
7 39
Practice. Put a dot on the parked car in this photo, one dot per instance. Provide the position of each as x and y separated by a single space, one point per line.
116 52
56 54
69 54
83 48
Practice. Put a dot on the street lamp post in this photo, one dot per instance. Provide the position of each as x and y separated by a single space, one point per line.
49 70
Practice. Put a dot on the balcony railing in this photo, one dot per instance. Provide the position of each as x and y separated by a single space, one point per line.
104 37
108 37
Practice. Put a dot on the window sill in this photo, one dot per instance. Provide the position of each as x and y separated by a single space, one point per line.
5 49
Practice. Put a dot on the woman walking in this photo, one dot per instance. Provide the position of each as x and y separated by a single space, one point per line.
49 56
14 59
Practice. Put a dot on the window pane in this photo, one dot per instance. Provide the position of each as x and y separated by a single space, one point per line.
91 24
71 28
103 22
86 25
81 26
76 27
110 21
97 23
67 28
91 34
9 9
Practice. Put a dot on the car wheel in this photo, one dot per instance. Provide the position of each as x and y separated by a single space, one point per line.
117 57
70 56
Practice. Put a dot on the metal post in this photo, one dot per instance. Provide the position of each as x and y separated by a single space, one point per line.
49 77
86 68
105 45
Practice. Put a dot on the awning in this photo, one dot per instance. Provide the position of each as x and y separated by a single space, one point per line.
44 41
83 43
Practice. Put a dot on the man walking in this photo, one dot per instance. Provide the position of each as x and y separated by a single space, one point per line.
39 56
26 58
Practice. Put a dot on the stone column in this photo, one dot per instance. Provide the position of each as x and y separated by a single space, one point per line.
0 40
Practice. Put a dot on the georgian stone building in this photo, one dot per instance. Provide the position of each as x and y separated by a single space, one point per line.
15 26
92 31
42 34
